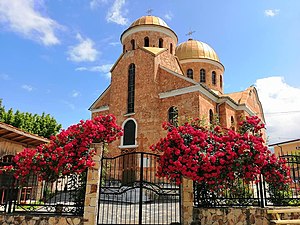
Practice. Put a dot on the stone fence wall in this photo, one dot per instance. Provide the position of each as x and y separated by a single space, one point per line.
39 220
235 216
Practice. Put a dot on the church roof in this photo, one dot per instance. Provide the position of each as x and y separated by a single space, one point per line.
149 20
155 51
193 49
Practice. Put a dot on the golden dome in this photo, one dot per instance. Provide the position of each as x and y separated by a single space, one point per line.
193 49
149 20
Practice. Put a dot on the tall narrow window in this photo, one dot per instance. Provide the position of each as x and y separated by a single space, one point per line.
171 48
211 116
189 73
131 84
129 133
213 78
173 115
146 42
202 76
161 43
232 125
221 81
132 44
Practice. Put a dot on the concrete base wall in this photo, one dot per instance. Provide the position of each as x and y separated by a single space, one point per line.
39 220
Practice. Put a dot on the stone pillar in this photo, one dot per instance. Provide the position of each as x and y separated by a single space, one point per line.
92 188
187 201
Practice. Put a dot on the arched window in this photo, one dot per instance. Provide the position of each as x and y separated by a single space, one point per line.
211 116
173 115
202 76
213 78
131 85
132 44
146 42
161 43
129 132
171 48
189 73
221 81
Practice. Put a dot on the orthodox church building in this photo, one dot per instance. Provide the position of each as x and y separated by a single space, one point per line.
155 79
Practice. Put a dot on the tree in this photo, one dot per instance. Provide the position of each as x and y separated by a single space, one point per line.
67 153
43 125
218 156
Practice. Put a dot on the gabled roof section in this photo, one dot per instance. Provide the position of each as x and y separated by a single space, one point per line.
285 142
242 98
94 105
153 50
14 134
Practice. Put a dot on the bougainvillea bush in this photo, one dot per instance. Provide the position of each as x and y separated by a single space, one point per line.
68 152
218 156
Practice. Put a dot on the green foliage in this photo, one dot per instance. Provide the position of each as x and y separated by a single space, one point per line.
43 125
281 196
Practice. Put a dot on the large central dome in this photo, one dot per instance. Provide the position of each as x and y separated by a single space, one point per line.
148 24
149 20
193 49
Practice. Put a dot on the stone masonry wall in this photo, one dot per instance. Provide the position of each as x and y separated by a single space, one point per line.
39 220
235 216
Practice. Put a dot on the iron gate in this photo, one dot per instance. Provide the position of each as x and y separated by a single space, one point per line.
131 193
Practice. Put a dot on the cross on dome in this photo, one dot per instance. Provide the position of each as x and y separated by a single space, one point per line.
149 11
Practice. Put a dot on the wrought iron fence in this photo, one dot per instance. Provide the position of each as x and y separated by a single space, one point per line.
64 196
260 194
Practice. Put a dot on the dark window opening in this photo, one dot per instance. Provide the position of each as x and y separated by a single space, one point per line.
189 73
171 48
211 116
132 44
232 125
213 78
173 116
129 133
161 43
146 42
221 81
202 76
131 86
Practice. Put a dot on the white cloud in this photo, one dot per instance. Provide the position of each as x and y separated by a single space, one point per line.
281 104
27 87
114 43
22 17
271 12
115 13
75 94
104 69
168 16
84 51
4 76
94 4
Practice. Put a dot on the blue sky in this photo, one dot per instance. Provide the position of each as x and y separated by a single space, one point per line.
55 55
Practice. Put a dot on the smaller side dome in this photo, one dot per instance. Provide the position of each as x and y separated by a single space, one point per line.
193 49
149 20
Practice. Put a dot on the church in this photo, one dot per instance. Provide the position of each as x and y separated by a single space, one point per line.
155 79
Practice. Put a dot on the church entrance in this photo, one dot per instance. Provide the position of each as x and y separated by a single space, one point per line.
131 193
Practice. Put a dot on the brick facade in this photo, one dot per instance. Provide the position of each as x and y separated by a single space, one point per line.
161 82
